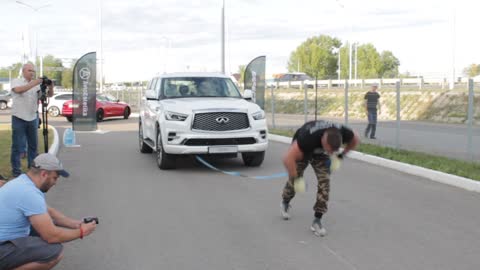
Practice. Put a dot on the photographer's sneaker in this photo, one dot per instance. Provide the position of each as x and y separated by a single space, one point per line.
317 227
284 207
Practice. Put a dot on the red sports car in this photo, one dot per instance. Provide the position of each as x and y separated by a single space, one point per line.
107 106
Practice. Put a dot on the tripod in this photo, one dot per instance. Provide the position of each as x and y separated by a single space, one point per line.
43 99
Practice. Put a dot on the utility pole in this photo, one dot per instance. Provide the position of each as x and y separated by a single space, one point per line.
101 47
356 61
223 38
452 81
35 9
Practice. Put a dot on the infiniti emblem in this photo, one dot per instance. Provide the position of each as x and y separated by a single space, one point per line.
222 120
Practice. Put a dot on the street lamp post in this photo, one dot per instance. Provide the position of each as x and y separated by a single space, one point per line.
452 81
35 9
349 42
101 45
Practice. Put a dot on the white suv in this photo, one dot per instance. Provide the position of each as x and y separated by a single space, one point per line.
200 113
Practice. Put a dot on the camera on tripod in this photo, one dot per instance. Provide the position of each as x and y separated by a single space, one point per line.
43 87
46 81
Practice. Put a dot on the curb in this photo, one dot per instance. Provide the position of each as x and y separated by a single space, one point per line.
441 177
55 145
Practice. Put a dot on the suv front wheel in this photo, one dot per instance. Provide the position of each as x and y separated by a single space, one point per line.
253 159
164 161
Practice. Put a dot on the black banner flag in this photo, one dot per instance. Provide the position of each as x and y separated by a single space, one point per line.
85 93
254 79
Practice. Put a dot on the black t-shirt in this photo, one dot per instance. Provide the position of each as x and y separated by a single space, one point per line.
309 136
372 99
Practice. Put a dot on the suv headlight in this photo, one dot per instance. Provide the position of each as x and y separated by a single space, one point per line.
259 115
173 116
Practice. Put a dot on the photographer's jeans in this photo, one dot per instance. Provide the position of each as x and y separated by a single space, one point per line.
23 133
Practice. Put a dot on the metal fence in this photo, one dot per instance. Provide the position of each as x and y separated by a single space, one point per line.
433 119
131 95
429 119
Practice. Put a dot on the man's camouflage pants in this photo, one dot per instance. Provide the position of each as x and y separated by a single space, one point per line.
321 167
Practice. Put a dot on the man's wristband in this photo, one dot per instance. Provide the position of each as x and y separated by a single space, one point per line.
81 232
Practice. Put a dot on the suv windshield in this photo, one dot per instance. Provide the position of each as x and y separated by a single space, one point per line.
198 87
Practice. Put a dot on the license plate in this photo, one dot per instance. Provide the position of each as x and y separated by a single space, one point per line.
222 149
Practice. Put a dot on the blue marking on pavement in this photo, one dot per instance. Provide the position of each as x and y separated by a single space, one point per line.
263 177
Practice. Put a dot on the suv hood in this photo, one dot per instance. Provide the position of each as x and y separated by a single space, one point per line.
188 105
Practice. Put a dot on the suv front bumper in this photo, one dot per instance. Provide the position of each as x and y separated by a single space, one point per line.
181 141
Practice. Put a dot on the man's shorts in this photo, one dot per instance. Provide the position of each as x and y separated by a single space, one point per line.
20 251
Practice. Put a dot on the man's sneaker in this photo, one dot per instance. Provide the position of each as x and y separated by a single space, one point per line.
317 227
284 207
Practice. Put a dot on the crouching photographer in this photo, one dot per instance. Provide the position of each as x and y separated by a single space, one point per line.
25 95
31 233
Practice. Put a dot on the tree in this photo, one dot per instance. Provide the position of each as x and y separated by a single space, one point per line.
369 63
52 68
241 71
316 57
15 68
389 65
67 75
472 70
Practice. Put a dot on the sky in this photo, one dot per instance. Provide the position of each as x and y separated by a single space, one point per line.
142 38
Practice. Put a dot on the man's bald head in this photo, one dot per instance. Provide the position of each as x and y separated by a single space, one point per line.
28 71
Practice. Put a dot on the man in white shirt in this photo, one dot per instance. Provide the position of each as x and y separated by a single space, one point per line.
25 94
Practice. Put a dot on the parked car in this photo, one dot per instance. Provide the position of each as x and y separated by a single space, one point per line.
55 103
296 77
118 87
5 99
106 106
200 113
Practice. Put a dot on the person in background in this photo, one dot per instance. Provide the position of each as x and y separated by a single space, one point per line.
371 105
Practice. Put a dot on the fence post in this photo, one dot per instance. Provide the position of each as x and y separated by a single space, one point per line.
316 95
397 130
470 118
346 102
305 103
273 106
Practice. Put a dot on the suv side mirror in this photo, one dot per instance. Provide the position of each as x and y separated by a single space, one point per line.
248 94
151 95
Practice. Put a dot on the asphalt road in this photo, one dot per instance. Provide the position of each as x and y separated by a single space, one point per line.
193 218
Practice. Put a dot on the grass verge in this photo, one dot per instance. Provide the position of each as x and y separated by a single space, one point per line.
452 166
6 146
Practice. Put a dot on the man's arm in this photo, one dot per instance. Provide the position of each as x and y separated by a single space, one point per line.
43 224
352 144
290 160
63 221
24 88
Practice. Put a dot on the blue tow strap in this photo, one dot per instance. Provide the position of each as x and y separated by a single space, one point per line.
263 177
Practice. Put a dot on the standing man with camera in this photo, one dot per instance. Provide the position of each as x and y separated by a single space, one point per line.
25 94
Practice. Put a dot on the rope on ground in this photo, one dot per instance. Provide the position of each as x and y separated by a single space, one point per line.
262 177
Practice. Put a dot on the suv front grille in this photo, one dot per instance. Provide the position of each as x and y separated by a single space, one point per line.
221 141
220 121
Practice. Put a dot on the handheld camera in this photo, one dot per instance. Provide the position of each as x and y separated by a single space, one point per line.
90 219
